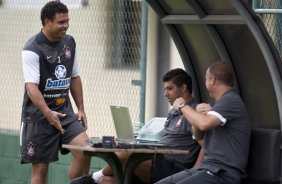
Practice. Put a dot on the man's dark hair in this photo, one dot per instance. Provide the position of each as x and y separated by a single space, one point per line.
222 72
50 9
179 77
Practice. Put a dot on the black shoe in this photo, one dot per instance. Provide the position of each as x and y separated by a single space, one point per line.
83 180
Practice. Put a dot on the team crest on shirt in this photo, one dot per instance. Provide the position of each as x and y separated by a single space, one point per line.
178 123
67 52
30 149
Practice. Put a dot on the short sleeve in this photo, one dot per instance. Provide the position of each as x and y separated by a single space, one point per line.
30 62
75 69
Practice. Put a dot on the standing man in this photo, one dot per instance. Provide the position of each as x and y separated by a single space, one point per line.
50 71
226 131
177 134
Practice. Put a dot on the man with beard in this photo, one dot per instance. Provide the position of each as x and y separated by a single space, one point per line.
225 129
177 134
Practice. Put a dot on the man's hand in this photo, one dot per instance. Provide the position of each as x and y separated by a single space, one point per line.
203 108
53 118
81 116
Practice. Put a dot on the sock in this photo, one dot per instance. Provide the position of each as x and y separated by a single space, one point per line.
97 175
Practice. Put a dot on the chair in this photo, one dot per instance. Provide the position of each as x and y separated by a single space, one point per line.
264 166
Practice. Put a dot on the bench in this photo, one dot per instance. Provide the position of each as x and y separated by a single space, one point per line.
264 166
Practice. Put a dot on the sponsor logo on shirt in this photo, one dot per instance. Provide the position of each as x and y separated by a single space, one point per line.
62 82
54 95
60 101
57 84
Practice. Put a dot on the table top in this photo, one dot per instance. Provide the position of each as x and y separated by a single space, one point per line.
129 150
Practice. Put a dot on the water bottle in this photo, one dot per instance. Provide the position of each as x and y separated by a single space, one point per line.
136 127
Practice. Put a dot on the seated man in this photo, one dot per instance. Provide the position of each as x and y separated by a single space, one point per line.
226 131
177 134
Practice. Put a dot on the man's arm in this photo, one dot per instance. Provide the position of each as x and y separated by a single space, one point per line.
201 121
203 108
77 94
36 97
200 155
198 134
38 100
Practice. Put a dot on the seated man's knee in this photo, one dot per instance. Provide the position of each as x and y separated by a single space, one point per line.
123 156
107 180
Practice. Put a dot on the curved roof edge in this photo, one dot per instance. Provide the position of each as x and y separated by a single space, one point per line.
228 30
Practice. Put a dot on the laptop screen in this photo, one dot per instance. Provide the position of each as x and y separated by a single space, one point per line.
123 124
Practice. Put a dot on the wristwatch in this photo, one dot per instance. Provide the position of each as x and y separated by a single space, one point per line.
180 105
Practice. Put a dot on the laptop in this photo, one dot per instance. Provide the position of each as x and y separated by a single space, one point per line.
124 129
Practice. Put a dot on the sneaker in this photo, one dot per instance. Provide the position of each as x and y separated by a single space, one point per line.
83 180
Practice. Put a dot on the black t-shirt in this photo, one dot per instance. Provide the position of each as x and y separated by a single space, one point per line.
56 62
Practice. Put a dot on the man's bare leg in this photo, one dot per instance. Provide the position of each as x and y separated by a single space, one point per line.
39 173
143 171
80 163
123 156
107 180
107 170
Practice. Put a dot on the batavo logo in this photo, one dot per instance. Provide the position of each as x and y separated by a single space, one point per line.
60 101
62 82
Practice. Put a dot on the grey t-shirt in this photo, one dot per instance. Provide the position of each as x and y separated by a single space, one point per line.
228 143
178 134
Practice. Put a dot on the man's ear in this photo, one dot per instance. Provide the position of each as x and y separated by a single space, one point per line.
184 88
213 80
46 21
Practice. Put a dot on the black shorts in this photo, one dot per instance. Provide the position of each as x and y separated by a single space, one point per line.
164 167
40 141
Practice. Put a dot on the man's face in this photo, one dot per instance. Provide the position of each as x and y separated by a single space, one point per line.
57 27
171 91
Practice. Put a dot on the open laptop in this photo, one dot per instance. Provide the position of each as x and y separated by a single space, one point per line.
124 128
